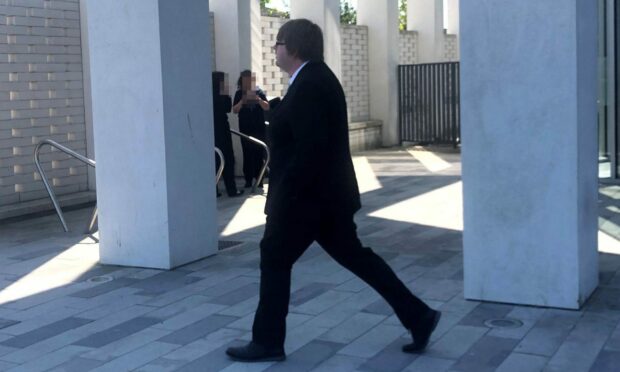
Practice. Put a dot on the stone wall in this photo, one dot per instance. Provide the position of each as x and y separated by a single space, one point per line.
452 48
41 96
275 82
407 43
355 71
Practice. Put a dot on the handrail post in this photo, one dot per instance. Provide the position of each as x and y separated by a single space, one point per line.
220 169
265 161
50 192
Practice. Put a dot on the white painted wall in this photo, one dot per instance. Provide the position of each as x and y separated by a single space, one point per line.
427 18
529 153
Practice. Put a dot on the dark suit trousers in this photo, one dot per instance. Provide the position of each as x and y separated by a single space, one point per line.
286 239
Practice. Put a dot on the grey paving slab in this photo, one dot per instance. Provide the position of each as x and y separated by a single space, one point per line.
164 282
45 332
117 332
339 363
137 358
307 357
124 345
606 361
4 323
104 288
77 364
322 302
548 333
372 342
309 292
236 296
426 364
188 317
486 354
390 359
352 328
517 362
52 360
198 329
583 343
456 342
213 361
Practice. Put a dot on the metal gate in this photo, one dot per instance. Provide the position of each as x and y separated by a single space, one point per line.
428 103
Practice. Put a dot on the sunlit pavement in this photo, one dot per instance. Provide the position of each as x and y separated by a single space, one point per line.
61 311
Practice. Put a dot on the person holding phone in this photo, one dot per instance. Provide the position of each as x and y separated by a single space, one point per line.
250 103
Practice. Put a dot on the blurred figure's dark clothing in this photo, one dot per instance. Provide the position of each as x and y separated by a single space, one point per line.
221 130
252 123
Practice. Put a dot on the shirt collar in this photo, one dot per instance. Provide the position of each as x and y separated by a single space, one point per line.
290 81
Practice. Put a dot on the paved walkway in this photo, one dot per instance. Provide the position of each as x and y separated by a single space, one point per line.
61 311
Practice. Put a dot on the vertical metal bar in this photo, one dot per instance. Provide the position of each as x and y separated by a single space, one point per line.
612 34
93 218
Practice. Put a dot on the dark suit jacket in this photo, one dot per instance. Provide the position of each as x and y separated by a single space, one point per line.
311 168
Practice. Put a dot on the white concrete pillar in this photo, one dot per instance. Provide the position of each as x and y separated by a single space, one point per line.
529 156
426 17
326 14
150 66
453 17
238 47
381 18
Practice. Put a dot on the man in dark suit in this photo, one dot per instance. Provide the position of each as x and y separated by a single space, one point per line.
313 196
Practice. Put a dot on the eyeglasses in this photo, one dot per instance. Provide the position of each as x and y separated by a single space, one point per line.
278 43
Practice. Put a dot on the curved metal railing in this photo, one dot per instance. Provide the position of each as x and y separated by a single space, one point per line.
265 161
77 156
220 169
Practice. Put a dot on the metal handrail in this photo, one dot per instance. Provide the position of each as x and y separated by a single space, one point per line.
74 154
220 169
267 155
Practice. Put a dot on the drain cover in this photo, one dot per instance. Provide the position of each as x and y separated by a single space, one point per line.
503 323
100 279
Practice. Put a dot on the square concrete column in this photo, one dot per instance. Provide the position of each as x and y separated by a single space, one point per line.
426 17
453 17
150 66
326 14
529 156
381 18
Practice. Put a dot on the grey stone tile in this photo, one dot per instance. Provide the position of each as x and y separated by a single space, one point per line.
307 357
213 361
236 296
188 317
203 346
164 282
379 307
426 364
485 311
4 323
117 332
584 342
45 332
613 343
606 361
309 292
104 288
517 362
78 365
125 345
486 354
339 363
137 358
322 302
390 359
352 328
456 342
514 333
371 343
548 333
52 359
198 330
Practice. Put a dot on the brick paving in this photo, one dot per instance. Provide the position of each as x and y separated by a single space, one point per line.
61 311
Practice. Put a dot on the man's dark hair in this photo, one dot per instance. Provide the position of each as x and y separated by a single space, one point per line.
303 39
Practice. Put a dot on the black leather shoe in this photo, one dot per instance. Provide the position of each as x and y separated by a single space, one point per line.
253 352
422 334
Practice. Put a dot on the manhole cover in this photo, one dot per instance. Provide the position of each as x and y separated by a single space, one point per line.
100 279
503 323
223 244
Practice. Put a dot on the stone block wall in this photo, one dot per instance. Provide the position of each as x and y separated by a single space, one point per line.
452 48
355 71
275 82
407 44
41 96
